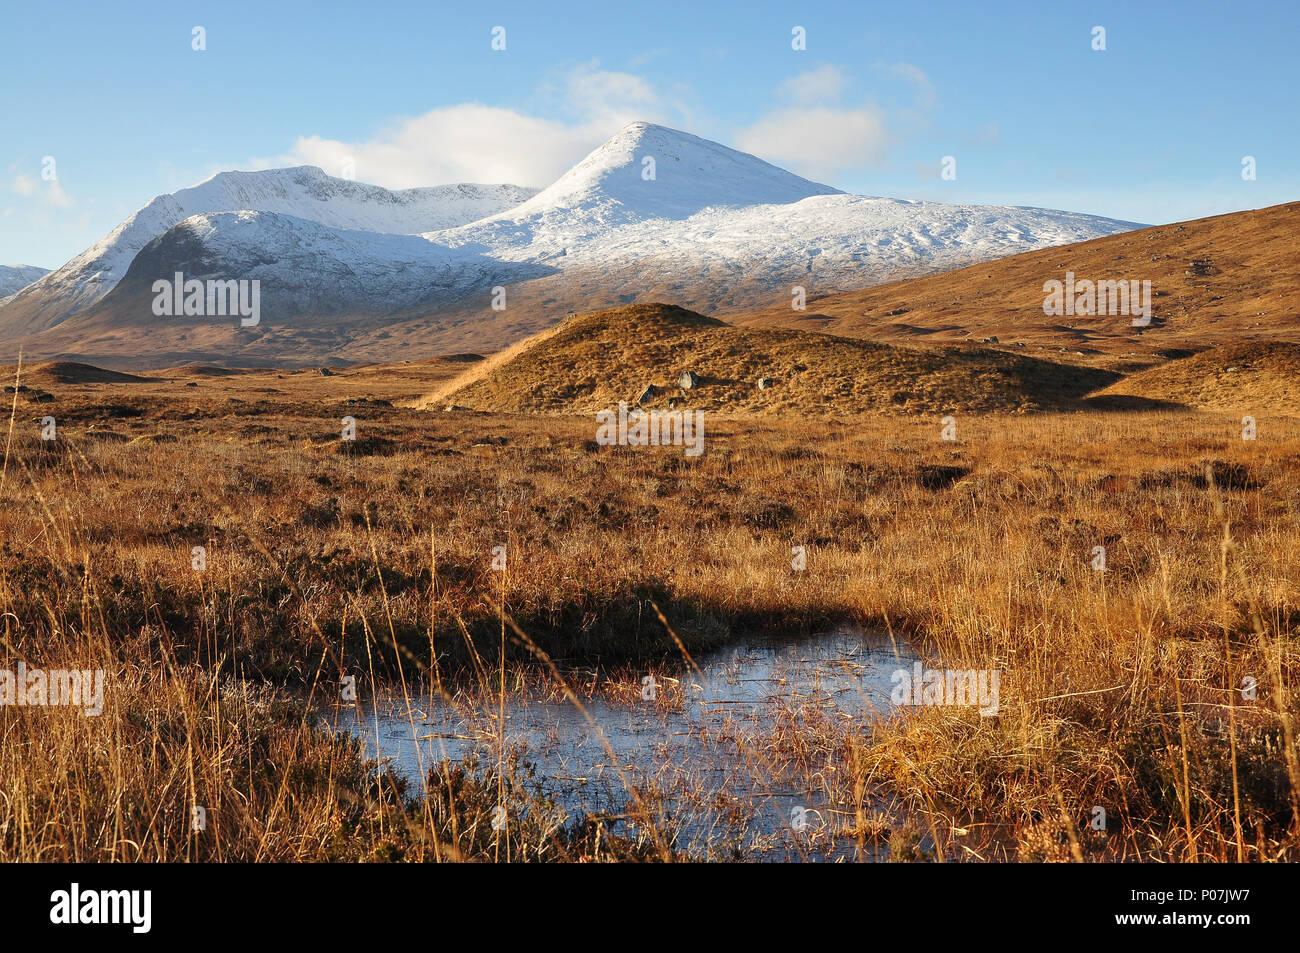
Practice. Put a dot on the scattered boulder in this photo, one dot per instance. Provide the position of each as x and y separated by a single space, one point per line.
989 340
688 380
648 394
764 383
325 372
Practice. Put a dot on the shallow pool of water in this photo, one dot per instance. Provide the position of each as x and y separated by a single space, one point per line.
717 752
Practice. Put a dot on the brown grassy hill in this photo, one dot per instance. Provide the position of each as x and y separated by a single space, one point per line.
1213 281
593 361
1254 376
68 372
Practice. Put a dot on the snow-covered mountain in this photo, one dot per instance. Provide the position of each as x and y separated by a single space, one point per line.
14 278
306 193
645 173
305 267
708 200
717 229
653 213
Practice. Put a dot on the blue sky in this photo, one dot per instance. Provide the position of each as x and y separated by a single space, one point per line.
1152 129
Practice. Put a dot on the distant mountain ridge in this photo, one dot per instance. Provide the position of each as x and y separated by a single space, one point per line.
305 193
651 214
14 278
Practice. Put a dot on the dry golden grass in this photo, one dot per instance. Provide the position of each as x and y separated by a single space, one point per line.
374 556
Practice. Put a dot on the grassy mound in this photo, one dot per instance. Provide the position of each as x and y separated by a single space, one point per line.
595 360
1253 376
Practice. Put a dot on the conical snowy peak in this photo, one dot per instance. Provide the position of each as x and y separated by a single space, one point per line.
648 171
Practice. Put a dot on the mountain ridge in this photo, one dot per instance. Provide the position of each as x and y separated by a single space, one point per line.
652 213
14 278
306 192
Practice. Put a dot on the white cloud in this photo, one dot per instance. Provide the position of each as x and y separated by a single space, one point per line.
48 191
55 195
813 133
818 141
823 84
599 95
473 142
925 97
817 134
465 143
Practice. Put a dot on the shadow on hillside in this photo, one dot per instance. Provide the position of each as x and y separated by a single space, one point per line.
1071 387
1131 402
